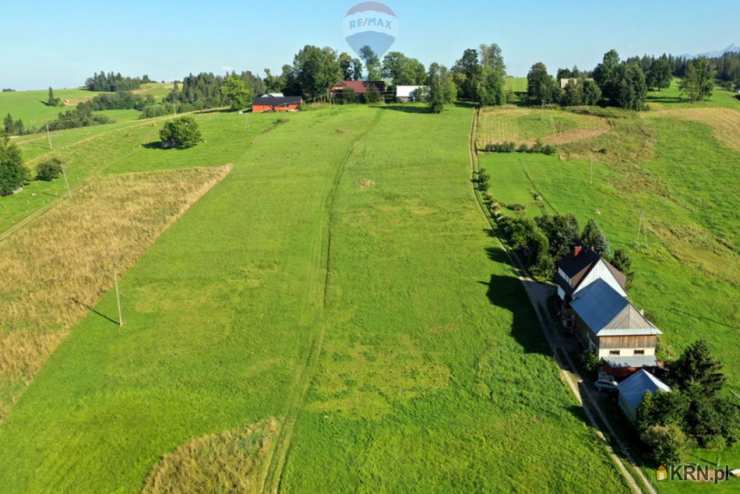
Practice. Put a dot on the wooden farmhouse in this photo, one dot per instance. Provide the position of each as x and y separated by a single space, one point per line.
596 309
360 88
276 104
608 324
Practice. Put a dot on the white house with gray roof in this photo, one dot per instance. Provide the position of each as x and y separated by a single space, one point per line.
607 323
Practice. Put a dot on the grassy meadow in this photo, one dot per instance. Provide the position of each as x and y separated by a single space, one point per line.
30 106
330 317
56 268
672 97
527 126
663 186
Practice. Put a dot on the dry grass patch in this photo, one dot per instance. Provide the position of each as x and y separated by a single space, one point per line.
234 461
57 267
630 139
365 382
725 122
528 125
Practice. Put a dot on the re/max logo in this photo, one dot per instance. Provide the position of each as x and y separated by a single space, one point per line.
695 473
371 22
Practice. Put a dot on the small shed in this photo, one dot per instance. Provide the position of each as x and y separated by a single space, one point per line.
276 104
632 391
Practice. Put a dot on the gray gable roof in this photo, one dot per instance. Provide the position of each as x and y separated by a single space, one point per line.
578 267
607 313
633 390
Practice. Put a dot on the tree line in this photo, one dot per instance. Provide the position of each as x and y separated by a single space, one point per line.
625 84
114 82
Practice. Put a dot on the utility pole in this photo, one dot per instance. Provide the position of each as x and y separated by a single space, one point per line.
64 174
592 171
118 299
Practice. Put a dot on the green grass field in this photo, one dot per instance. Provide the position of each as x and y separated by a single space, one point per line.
516 84
339 280
29 105
684 193
156 90
673 98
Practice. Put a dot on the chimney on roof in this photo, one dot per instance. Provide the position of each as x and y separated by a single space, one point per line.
577 250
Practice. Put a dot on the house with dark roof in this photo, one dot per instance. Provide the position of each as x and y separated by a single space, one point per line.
583 267
276 104
632 391
609 325
360 88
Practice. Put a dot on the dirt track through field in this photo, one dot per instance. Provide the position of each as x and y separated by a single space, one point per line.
574 382
321 279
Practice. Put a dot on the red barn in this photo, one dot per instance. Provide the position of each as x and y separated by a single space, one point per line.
276 104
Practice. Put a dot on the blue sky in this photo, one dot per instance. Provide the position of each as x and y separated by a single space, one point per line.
60 43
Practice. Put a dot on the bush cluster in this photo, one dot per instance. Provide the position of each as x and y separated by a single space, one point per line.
181 133
13 174
694 413
511 147
49 170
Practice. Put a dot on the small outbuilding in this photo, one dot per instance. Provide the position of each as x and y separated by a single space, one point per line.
277 104
632 391
405 94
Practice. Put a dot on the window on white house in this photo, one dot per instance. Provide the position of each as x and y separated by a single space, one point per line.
615 353
639 352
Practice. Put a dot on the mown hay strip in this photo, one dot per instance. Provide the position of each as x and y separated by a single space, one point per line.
725 122
56 269
233 461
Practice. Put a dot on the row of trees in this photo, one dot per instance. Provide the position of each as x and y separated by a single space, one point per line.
480 75
614 82
14 127
694 413
113 82
539 243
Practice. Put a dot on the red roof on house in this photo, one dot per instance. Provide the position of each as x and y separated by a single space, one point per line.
359 87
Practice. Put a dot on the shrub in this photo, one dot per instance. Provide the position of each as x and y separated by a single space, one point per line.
81 116
530 244
591 363
562 231
511 147
372 95
347 96
181 133
621 260
594 239
482 180
49 170
666 443
157 110
12 172
516 207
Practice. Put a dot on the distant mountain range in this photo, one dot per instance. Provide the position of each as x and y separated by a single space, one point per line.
733 48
